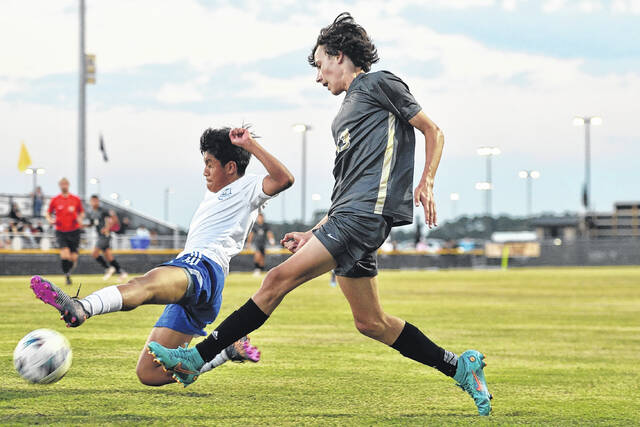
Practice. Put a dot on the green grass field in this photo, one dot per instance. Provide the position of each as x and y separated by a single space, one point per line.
562 345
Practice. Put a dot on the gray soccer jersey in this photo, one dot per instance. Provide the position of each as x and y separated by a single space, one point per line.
98 218
375 147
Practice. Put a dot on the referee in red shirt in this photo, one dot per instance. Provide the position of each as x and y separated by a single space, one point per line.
69 214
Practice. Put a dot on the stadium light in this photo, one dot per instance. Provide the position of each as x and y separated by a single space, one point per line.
303 129
35 172
587 121
167 191
316 197
529 175
95 181
483 186
488 152
127 203
114 196
454 202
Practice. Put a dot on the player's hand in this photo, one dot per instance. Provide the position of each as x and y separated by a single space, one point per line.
424 195
241 137
295 240
51 221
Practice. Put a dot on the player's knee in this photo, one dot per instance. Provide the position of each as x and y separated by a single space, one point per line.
372 328
152 377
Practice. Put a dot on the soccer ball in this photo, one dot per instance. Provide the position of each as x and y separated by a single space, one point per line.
43 356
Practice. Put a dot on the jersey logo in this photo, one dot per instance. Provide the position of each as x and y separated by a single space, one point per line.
344 141
225 194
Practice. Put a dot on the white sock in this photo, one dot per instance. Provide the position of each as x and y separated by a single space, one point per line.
217 361
105 300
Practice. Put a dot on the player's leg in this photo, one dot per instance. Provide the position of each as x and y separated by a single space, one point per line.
371 320
258 262
162 285
65 254
368 315
96 255
151 373
312 260
115 265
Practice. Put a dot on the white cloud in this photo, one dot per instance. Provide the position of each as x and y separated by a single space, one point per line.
178 93
8 85
551 6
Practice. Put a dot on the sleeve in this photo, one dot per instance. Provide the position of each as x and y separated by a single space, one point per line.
258 197
50 209
390 91
79 208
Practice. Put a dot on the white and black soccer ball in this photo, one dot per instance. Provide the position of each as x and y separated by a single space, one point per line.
43 356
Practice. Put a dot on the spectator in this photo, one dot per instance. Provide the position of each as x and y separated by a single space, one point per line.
15 213
124 225
115 221
37 202
142 231
5 241
37 230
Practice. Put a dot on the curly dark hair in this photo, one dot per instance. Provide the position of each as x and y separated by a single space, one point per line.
217 143
345 36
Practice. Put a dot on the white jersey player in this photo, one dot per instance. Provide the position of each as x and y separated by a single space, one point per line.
191 284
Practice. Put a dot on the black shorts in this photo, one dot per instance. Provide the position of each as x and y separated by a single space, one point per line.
104 242
68 239
353 239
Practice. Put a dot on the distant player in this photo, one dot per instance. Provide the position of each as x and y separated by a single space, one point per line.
191 284
259 236
374 137
100 218
66 214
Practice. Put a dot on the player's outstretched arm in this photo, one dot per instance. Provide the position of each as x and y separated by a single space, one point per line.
279 178
434 142
295 240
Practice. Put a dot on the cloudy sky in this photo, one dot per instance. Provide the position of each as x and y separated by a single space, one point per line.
508 73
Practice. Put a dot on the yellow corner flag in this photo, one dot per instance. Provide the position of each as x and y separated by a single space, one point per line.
24 161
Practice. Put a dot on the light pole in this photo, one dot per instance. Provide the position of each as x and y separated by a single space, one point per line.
167 191
454 204
82 110
587 121
529 175
303 129
95 181
35 172
487 152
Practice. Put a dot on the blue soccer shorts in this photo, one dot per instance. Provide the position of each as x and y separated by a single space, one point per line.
201 306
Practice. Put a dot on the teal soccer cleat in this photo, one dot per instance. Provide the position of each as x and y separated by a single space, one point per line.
470 378
184 363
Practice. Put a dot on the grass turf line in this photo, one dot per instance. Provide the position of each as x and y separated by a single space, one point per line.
562 345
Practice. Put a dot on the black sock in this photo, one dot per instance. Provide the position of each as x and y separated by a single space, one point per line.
246 319
102 261
115 265
415 345
66 266
256 266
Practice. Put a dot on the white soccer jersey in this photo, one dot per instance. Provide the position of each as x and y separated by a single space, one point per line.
222 222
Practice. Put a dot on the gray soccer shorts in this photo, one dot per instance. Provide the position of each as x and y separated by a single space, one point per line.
353 239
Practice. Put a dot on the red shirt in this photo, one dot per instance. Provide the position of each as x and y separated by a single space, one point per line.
66 210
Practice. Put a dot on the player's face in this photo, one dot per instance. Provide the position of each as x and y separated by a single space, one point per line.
329 72
214 173
95 203
64 186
